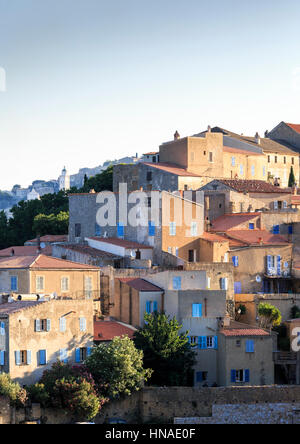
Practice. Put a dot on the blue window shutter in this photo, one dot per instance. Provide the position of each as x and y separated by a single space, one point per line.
151 229
14 283
276 229
232 375
278 265
48 324
199 345
28 357
77 355
37 325
199 377
290 229
197 310
235 260
216 343
250 346
148 307
154 305
18 357
2 358
204 342
2 329
269 262
43 357
177 283
247 375
120 229
89 351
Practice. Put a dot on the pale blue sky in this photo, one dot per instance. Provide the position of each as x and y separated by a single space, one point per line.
91 80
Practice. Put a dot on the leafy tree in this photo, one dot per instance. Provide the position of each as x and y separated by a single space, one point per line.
270 316
4 233
100 182
166 350
117 367
292 179
51 224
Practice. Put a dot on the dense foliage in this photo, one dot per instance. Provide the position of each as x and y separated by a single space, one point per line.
270 316
117 367
292 179
12 390
166 351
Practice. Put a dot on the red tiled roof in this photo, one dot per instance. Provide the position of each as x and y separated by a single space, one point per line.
41 261
51 238
152 153
27 250
93 252
121 243
140 284
171 168
212 237
257 237
229 221
240 329
107 330
295 127
244 332
253 186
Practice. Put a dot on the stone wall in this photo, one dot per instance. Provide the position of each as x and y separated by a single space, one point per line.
268 404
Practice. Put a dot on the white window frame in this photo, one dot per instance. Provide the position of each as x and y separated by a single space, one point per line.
38 280
172 229
64 288
194 229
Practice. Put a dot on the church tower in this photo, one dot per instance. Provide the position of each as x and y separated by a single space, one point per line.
64 180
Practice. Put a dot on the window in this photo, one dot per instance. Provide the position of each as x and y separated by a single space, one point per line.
264 171
149 176
2 329
284 159
210 342
82 324
275 205
211 157
197 310
151 229
285 204
80 354
170 250
23 357
186 187
238 343
151 306
97 230
275 159
241 170
276 229
176 251
149 202
88 287
177 283
64 284
226 257
269 159
192 255
193 340
14 283
63 355
40 283
42 325
224 283
138 255
250 346
251 226
2 357
290 229
172 228
240 375
77 230
194 229
233 161
292 161
274 265
208 279
201 376
252 170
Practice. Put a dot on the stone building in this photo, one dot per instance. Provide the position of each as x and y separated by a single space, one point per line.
35 334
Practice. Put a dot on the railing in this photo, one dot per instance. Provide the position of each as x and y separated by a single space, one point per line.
81 295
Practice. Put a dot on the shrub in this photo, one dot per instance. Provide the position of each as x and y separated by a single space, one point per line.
12 390
37 393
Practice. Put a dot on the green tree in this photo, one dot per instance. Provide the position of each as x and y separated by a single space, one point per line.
12 390
51 224
117 368
269 315
4 232
292 179
100 182
166 350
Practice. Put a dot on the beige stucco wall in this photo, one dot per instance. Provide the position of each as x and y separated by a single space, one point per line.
22 335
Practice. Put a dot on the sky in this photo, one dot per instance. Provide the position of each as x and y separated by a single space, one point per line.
85 81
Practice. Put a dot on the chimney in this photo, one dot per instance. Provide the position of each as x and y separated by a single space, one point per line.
260 241
294 190
209 129
12 253
38 244
257 138
176 135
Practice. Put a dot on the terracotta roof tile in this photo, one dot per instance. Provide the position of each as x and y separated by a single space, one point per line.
140 284
27 250
253 186
257 237
240 329
171 168
42 261
51 238
232 220
294 126
107 330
